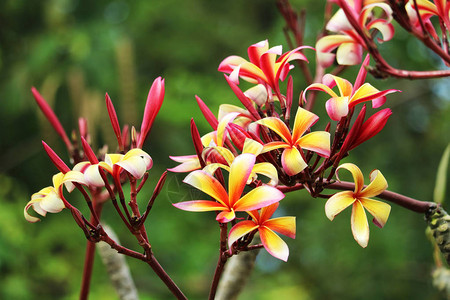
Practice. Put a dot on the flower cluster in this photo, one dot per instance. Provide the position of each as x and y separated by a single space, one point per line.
258 141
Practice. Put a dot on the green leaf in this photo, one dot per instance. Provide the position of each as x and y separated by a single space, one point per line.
441 178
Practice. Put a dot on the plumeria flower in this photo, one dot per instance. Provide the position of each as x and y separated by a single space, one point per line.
253 147
232 201
360 200
263 67
292 143
266 227
136 162
49 199
339 105
348 43
428 9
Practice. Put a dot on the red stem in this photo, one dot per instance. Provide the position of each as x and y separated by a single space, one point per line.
171 285
89 256
221 261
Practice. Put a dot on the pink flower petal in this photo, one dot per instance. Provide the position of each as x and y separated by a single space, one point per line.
226 216
199 205
337 108
188 163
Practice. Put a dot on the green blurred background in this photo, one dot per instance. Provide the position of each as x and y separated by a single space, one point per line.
73 51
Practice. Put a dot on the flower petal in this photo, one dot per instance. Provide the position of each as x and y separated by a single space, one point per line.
268 170
379 210
337 203
327 44
199 205
226 216
209 185
337 108
274 145
357 176
188 163
30 218
258 94
303 120
274 244
134 165
257 198
349 54
266 212
221 134
283 225
360 227
318 141
239 230
52 203
292 161
240 171
278 126
378 184
93 177
252 146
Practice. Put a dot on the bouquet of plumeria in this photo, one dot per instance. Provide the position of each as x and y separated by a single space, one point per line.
267 146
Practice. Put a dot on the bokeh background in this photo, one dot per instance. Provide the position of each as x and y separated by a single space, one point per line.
73 51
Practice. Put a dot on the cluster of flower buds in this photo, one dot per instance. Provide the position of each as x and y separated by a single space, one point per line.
91 171
259 140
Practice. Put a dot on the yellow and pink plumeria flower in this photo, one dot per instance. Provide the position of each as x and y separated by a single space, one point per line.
338 105
292 159
263 67
49 199
266 227
232 201
136 162
252 147
360 200
348 43
428 9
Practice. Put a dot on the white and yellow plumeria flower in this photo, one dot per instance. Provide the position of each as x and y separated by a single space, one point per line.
49 199
136 162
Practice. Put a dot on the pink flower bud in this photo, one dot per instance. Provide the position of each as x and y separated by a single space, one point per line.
372 126
56 160
154 101
51 117
114 121
209 116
